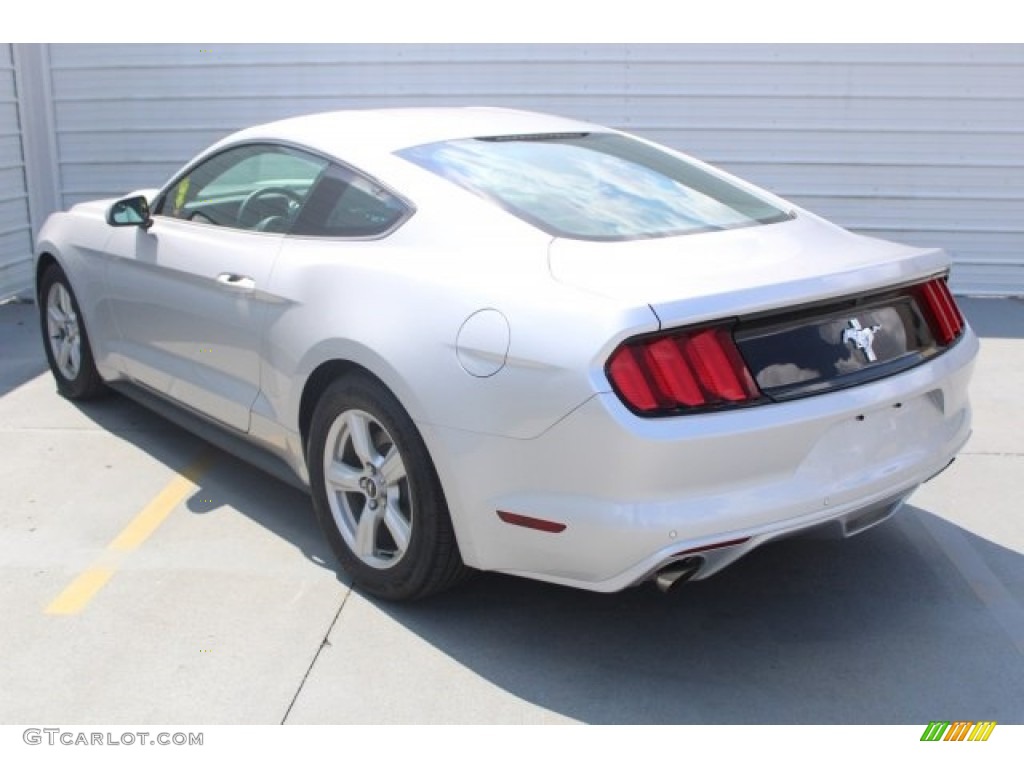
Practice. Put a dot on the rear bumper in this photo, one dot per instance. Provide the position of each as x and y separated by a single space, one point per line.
635 494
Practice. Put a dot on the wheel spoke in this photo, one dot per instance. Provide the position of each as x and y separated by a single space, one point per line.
392 468
344 478
397 525
64 354
366 532
55 316
359 433
74 358
64 300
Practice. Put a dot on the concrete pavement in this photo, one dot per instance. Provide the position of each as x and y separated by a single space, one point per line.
232 610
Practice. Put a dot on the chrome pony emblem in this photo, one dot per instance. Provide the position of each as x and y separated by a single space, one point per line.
862 338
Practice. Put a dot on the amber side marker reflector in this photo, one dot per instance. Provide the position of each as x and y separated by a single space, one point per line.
531 522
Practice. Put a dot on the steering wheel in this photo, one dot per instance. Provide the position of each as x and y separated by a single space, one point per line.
248 209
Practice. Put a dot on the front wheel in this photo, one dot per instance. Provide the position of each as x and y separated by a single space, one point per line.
377 495
65 338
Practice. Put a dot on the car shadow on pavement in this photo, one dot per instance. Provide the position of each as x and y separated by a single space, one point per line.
881 628
21 346
226 482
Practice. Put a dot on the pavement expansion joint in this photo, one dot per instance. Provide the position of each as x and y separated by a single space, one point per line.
324 643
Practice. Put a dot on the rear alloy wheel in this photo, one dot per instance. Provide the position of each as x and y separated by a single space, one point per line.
368 489
65 338
377 495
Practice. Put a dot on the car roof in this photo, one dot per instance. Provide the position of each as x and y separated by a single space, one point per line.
383 131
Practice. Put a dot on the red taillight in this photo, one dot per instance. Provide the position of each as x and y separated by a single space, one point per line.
690 369
629 379
672 374
940 310
719 366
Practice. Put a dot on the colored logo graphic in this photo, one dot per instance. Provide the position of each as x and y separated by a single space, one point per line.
961 730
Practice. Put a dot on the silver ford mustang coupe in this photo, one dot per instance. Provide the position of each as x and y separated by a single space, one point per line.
492 339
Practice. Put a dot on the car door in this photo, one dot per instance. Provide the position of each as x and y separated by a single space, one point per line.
189 294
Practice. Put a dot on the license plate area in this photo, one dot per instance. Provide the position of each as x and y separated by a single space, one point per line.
835 347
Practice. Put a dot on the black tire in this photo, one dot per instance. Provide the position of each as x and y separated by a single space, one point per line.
383 509
65 338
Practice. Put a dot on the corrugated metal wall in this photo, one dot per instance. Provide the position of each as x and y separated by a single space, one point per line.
15 231
923 144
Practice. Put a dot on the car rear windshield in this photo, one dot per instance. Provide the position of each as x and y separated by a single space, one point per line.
594 186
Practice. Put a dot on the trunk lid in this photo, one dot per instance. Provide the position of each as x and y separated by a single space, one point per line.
800 307
709 276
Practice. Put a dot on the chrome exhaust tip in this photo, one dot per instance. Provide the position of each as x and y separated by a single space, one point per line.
677 573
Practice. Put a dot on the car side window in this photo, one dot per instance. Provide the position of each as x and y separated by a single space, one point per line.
347 204
259 187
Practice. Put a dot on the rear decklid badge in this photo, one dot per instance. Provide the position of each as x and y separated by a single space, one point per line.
862 338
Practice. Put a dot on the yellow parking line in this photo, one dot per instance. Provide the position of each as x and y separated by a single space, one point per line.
85 586
81 590
149 519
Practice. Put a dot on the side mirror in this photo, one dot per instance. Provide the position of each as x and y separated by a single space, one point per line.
130 212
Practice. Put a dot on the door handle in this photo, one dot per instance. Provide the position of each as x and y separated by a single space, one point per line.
234 282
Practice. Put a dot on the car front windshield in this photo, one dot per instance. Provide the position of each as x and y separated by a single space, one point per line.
595 186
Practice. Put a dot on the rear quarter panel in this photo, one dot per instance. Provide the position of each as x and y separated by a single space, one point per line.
396 308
